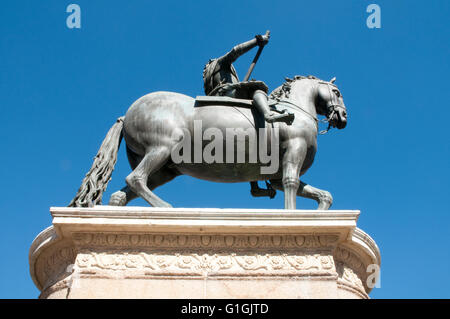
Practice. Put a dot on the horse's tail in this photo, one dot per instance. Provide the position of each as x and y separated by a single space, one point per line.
96 180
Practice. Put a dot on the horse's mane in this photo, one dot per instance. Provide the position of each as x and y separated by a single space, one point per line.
283 90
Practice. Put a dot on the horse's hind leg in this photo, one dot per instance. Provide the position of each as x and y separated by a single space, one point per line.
126 195
323 197
122 197
151 163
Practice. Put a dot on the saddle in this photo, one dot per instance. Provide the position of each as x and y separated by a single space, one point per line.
221 100
201 100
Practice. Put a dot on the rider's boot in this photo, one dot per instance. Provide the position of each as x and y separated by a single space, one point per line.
261 103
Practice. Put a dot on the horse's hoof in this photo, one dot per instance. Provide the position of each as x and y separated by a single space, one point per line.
118 198
325 201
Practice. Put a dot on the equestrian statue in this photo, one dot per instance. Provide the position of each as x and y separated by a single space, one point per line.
160 124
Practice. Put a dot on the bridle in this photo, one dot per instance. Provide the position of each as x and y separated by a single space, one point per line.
331 109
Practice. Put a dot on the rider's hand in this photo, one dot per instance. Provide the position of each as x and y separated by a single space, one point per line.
262 40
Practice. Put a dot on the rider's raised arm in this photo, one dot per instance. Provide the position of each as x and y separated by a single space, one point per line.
242 48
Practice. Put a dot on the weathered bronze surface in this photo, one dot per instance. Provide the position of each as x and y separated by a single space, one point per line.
153 127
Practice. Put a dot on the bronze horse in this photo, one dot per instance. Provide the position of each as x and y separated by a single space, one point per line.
153 126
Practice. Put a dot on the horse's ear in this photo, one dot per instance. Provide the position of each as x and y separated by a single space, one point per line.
333 80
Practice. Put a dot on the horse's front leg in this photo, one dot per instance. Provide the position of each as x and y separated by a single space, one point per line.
323 197
291 164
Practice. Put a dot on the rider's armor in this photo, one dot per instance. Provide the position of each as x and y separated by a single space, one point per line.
220 78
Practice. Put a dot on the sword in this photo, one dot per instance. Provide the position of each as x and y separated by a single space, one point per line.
252 66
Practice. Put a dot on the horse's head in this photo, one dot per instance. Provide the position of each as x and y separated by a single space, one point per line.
329 102
313 95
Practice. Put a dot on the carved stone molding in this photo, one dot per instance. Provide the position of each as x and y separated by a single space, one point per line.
351 269
230 241
52 266
50 256
211 263
165 253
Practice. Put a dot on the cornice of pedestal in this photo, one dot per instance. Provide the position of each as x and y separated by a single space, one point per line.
284 232
111 218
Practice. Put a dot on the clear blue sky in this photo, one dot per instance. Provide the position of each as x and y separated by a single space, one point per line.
62 89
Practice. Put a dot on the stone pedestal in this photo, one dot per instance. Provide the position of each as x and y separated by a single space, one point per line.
136 252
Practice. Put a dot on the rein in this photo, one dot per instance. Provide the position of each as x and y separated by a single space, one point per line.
299 108
331 109
330 114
